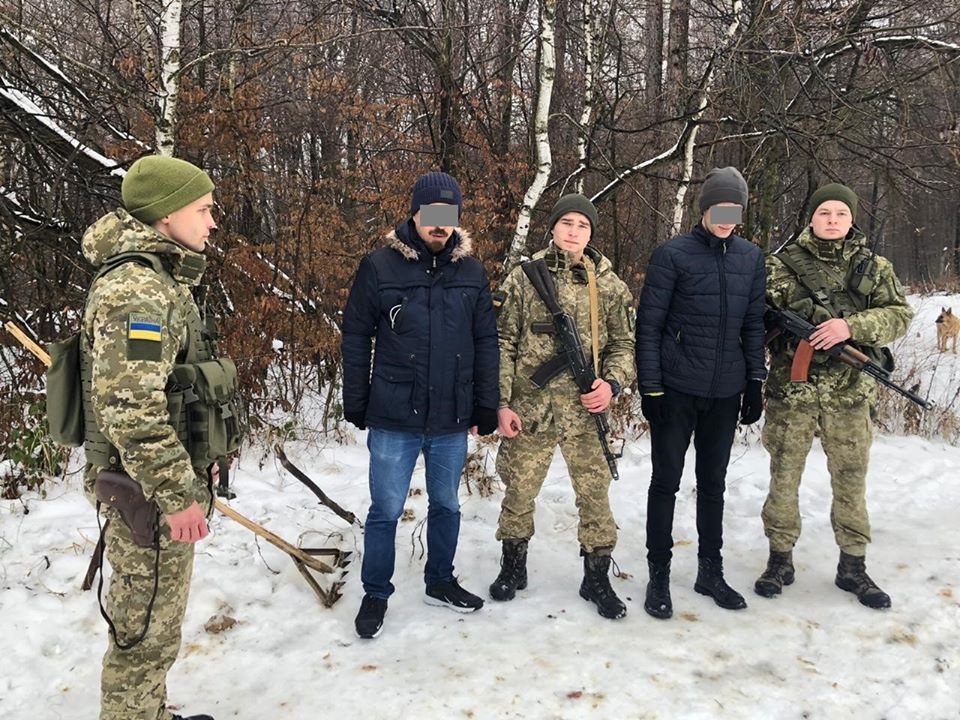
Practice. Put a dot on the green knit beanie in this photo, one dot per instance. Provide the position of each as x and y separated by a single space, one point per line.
156 186
577 203
834 191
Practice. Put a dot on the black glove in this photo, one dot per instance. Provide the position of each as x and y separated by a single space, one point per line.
654 407
752 404
357 418
485 419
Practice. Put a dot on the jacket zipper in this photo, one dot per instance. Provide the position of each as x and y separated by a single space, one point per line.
456 383
723 318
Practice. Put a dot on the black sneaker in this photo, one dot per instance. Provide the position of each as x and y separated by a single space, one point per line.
369 620
450 594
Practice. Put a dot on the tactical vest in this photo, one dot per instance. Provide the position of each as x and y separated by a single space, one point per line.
834 295
201 390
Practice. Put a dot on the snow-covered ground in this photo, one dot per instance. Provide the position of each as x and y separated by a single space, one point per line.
813 653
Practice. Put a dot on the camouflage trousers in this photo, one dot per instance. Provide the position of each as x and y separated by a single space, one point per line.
522 463
846 434
133 683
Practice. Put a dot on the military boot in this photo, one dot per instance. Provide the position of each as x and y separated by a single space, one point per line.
513 570
710 582
658 603
852 577
596 584
192 717
779 572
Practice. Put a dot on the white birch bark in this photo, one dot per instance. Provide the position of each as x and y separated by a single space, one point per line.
588 92
547 71
170 15
691 142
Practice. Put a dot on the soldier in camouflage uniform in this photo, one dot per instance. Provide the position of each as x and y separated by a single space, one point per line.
830 276
135 325
533 422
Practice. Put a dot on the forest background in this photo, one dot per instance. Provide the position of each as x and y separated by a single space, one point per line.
314 118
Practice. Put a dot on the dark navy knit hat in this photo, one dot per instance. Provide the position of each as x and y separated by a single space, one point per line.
435 187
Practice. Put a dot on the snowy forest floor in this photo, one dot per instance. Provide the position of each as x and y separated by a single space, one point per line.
815 652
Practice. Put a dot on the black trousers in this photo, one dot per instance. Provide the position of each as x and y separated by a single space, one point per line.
713 423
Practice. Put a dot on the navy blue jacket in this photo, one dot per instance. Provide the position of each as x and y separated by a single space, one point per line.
700 320
436 354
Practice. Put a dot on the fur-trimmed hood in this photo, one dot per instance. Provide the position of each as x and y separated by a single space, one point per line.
463 249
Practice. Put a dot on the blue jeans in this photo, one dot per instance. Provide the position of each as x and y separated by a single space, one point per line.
392 458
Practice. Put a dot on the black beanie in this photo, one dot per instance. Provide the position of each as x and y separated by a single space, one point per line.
723 185
435 187
577 203
834 191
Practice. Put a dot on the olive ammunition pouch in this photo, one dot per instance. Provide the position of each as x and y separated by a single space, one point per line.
208 420
64 392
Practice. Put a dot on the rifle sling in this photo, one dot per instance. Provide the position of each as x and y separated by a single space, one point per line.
594 313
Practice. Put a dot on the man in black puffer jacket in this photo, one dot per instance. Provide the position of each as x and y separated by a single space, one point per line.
700 366
436 368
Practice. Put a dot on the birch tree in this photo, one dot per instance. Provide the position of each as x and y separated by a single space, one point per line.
706 86
589 74
544 163
170 17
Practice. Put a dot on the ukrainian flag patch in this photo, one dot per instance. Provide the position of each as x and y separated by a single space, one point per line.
143 327
144 336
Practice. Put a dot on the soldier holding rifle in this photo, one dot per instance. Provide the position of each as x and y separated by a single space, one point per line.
546 402
830 277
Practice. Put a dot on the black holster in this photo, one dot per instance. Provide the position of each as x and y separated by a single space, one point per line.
124 494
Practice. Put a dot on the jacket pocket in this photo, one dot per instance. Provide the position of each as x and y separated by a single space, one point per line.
391 392
464 390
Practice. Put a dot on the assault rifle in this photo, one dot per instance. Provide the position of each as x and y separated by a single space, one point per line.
798 327
570 353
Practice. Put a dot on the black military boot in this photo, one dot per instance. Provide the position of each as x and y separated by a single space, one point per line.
658 603
513 570
192 717
710 582
852 577
596 584
779 572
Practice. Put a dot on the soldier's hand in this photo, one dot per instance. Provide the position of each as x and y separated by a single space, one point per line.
508 423
188 526
598 399
829 333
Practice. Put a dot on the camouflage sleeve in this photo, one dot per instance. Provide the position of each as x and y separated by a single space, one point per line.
781 283
617 354
889 314
509 327
135 344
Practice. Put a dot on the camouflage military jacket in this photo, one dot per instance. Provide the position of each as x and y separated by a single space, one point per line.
134 326
522 351
885 318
